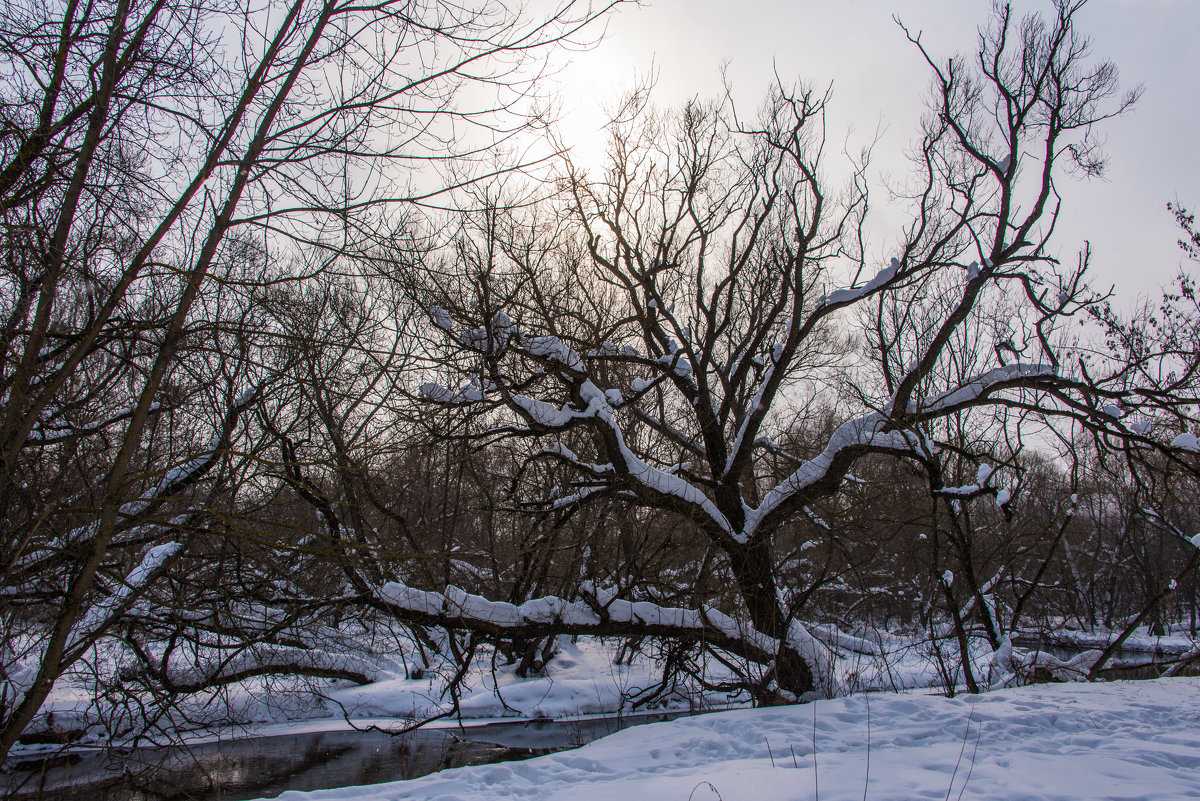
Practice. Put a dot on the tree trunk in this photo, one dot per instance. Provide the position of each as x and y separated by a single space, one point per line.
752 570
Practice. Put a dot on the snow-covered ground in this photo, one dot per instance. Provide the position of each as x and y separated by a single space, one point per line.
890 733
1122 740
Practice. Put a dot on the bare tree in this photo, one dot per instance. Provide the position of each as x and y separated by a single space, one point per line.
156 160
658 330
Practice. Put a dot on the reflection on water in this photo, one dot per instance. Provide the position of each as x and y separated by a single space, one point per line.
553 735
266 766
253 768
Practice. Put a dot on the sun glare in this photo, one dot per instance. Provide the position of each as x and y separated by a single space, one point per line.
590 86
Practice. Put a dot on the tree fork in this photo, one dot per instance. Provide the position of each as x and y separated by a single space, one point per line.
753 571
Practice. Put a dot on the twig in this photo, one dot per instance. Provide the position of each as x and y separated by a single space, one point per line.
867 777
974 751
961 751
816 784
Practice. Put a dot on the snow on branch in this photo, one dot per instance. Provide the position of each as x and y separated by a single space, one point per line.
191 471
561 452
62 430
567 501
645 475
598 409
547 414
626 465
551 349
600 613
1171 527
436 393
100 616
265 660
861 433
984 485
837 640
502 333
980 387
677 363
841 297
1186 442
754 413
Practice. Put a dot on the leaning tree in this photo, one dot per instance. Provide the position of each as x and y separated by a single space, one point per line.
655 330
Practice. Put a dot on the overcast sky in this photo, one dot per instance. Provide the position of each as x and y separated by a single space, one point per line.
879 81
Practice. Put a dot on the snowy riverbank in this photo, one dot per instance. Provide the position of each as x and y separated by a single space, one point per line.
585 678
1122 740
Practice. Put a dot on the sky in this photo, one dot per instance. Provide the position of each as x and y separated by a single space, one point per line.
879 81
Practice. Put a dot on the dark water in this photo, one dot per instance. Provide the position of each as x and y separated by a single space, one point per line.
266 766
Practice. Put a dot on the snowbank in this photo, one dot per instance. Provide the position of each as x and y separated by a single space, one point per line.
1124 740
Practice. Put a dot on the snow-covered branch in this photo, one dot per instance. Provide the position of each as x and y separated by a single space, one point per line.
979 388
262 660
844 297
600 614
872 432
109 609
56 431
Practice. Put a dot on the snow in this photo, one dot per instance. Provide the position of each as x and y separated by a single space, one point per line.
842 296
51 431
503 331
755 407
559 449
867 431
185 471
266 656
441 318
469 393
108 608
1140 642
599 407
1186 442
456 603
981 385
244 399
668 484
677 363
582 679
552 349
645 474
542 413
1123 740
